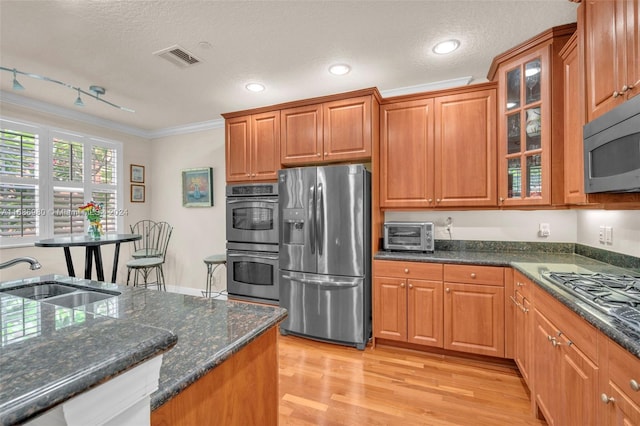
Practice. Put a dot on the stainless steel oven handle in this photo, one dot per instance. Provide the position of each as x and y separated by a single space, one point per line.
255 256
322 283
247 200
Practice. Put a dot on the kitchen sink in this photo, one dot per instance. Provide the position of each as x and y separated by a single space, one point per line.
41 291
78 298
60 294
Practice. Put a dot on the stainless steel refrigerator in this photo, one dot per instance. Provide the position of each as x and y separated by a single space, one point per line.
325 253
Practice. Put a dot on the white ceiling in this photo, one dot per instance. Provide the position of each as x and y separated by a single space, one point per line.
286 45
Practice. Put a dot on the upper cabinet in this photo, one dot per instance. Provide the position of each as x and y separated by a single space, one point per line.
252 147
612 54
439 150
530 120
339 130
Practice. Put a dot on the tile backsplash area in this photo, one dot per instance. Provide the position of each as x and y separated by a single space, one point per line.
569 226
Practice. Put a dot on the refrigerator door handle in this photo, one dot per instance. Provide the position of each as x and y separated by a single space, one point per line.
311 218
322 283
320 219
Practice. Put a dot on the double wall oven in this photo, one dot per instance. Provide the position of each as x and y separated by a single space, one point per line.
252 242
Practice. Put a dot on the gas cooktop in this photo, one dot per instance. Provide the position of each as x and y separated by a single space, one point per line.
615 295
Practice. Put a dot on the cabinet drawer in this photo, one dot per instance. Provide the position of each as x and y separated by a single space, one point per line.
523 285
623 368
570 324
473 274
418 270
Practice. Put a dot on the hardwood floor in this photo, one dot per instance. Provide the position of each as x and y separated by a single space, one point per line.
326 384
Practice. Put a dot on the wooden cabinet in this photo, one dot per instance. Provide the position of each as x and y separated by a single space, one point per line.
530 120
420 144
620 384
252 147
339 130
522 299
474 309
574 119
407 302
565 370
612 54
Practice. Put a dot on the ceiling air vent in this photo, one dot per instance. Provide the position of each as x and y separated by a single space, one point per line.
178 55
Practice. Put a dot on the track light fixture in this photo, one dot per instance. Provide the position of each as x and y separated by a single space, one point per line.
94 91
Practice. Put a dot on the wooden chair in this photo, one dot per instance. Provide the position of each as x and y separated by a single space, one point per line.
151 258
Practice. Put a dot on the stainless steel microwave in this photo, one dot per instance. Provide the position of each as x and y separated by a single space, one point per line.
612 150
408 236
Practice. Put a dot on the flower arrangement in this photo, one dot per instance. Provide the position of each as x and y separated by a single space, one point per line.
93 212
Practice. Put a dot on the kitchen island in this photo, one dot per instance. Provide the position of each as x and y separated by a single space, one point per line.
67 351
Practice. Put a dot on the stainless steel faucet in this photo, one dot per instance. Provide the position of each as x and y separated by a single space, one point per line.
34 264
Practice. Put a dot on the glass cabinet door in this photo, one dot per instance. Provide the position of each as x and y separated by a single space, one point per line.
522 115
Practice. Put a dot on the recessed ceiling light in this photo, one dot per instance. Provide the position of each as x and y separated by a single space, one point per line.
339 69
445 47
531 71
255 87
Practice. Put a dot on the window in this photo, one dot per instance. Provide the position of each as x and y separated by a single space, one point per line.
45 174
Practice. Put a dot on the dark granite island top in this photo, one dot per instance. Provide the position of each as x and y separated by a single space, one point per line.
58 362
532 264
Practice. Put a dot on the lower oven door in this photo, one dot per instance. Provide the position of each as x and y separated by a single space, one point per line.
253 275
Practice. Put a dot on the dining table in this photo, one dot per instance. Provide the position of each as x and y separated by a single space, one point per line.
92 251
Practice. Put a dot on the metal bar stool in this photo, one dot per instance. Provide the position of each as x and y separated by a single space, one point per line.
213 262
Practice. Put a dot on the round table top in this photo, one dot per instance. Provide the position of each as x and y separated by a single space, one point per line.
216 258
85 240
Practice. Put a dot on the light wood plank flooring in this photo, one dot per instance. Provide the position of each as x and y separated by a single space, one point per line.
326 384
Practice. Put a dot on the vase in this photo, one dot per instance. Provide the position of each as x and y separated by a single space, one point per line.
533 122
94 230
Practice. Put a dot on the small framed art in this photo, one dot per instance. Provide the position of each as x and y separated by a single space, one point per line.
137 193
137 173
197 187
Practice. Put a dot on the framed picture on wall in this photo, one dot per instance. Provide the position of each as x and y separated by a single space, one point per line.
197 187
137 193
137 173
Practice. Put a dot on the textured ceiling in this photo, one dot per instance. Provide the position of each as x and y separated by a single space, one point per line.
286 45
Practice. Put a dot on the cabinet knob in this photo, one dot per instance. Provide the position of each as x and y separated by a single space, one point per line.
318 155
631 86
326 154
430 200
410 285
402 285
253 174
501 200
616 94
625 88
634 385
519 284
448 290
406 270
248 174
606 398
473 275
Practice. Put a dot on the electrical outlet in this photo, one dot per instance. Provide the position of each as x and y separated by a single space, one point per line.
601 235
608 235
544 230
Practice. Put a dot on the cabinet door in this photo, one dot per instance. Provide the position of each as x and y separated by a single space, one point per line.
632 32
465 149
390 308
424 316
237 148
603 56
301 135
265 146
623 411
579 385
524 331
525 132
347 129
406 154
474 319
546 369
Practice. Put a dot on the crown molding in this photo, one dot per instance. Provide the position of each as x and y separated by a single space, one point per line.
428 87
22 101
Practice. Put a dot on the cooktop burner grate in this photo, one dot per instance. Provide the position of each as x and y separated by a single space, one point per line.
617 295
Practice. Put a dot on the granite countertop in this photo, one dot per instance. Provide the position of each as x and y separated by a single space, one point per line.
532 264
60 357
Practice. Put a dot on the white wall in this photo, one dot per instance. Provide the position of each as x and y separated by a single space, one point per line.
197 231
625 225
136 150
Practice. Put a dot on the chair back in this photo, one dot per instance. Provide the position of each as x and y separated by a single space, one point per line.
163 233
150 245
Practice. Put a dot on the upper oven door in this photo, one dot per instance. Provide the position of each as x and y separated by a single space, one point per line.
252 220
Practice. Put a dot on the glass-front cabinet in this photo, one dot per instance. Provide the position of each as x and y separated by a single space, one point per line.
530 138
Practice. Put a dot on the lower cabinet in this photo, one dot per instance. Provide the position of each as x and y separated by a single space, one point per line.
474 309
565 368
620 385
407 302
523 327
